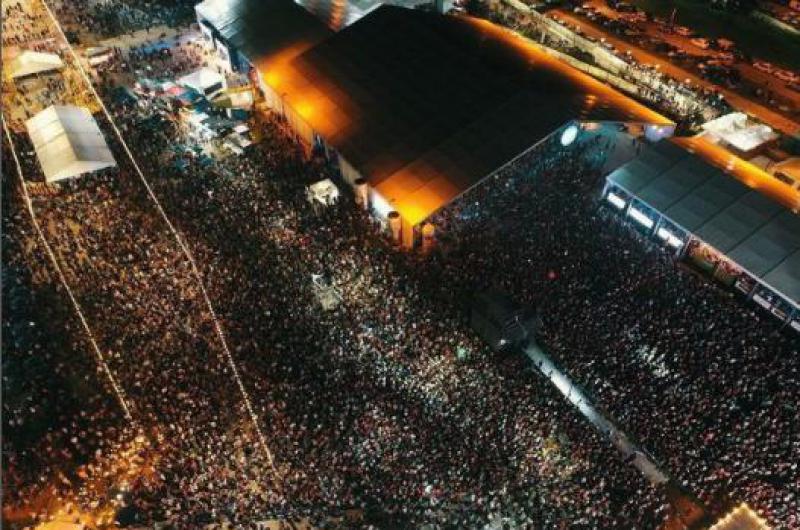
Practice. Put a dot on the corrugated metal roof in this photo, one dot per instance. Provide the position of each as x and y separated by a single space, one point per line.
751 229
265 31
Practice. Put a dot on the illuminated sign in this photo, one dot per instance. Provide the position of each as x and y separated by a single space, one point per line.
616 200
640 217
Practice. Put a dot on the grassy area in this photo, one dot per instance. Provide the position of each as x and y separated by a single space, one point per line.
754 37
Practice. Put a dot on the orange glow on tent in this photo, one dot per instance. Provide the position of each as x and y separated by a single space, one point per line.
745 172
536 54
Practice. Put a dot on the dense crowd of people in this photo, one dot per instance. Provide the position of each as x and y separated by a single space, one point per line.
704 380
111 18
387 408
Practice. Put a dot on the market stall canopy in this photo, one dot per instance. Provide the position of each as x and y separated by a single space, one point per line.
235 98
323 192
68 142
205 81
29 63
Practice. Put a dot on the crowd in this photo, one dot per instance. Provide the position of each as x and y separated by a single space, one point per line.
373 407
111 18
704 380
671 96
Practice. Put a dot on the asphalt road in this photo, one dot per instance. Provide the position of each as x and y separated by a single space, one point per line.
762 110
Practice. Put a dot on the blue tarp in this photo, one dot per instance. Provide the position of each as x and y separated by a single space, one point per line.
155 47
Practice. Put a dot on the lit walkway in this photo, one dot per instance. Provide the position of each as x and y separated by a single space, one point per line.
583 403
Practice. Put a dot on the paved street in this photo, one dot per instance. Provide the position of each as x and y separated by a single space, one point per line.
763 111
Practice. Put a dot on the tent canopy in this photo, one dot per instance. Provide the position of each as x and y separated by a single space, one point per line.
68 142
204 80
30 62
324 192
751 229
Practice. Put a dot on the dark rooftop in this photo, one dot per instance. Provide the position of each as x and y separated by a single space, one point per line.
425 106
266 31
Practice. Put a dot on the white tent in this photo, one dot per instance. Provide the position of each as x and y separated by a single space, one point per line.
323 192
738 131
205 81
68 142
30 62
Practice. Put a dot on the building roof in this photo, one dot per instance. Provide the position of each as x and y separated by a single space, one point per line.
267 32
758 233
202 79
337 14
424 106
68 142
30 62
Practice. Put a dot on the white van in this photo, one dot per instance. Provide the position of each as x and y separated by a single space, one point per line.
98 55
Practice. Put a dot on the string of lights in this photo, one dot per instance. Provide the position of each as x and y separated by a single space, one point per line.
184 248
101 361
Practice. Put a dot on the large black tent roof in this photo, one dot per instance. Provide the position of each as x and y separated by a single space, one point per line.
264 30
425 106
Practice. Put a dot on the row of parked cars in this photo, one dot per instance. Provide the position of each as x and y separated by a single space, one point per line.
716 66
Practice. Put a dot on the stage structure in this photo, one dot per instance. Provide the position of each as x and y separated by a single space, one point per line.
502 323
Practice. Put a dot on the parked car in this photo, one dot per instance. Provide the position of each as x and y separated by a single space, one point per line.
785 75
703 44
684 31
764 66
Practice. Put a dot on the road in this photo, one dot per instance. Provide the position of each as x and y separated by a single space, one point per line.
762 111
756 77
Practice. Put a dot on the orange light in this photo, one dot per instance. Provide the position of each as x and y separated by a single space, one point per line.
304 108
745 172
538 56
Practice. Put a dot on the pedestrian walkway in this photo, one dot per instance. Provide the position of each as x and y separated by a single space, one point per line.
629 450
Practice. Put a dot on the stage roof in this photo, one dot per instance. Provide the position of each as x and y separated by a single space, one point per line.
750 228
267 32
424 106
68 142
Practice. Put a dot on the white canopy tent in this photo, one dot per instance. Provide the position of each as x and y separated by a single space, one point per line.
68 142
738 131
30 63
323 193
205 81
